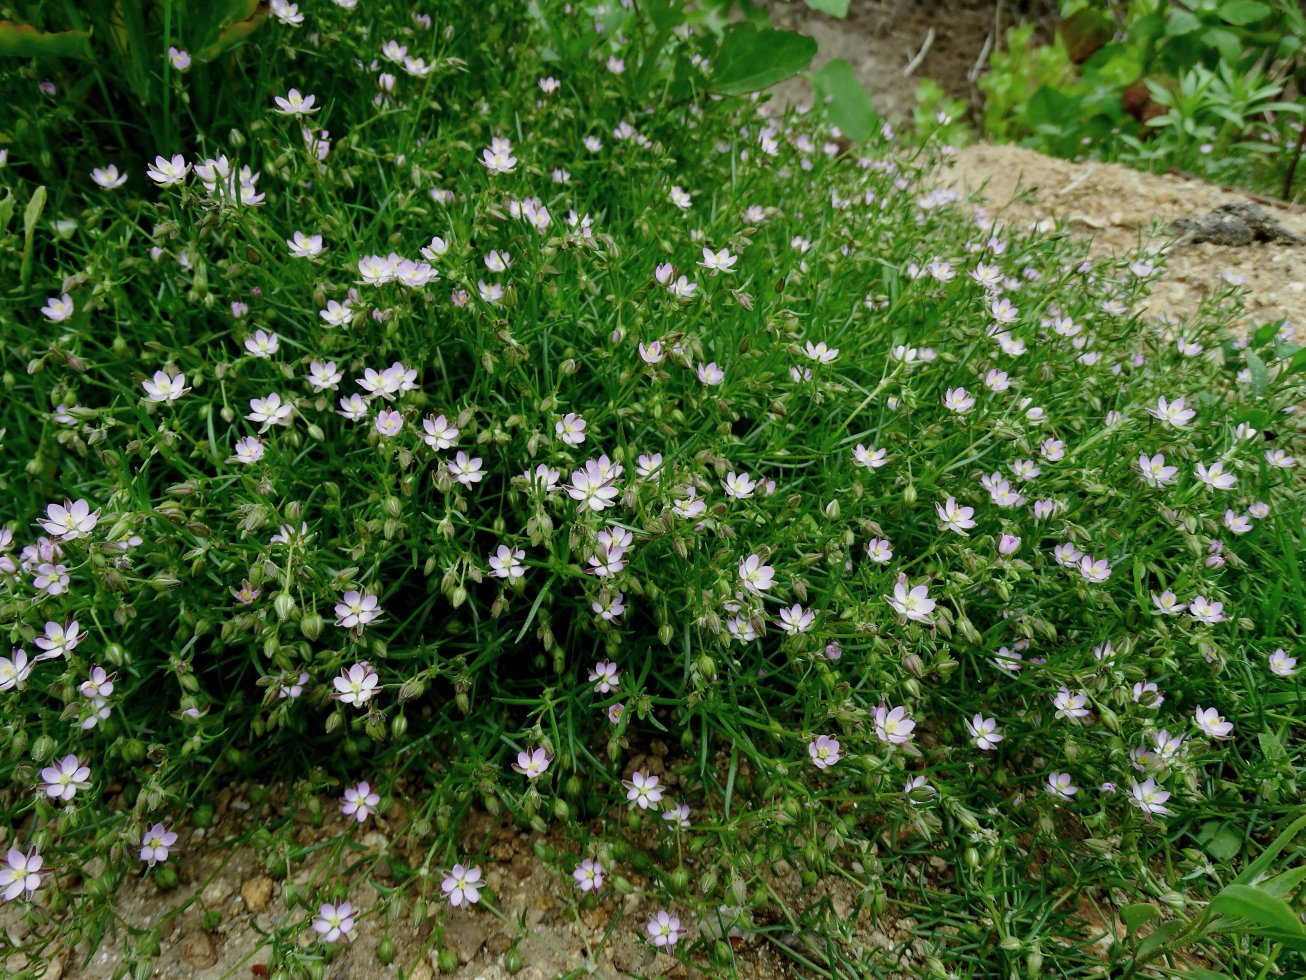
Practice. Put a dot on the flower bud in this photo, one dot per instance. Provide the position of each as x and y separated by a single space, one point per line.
311 626
43 748
284 604
909 495
398 726
385 950
512 961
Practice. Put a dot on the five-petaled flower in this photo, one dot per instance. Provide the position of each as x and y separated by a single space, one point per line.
334 922
155 844
824 751
357 684
532 763
463 885
20 874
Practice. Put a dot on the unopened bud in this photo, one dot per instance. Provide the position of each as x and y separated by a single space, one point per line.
284 604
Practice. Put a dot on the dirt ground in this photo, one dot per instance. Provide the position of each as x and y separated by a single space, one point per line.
1119 209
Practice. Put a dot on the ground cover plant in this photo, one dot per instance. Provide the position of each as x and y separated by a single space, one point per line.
505 413
1210 87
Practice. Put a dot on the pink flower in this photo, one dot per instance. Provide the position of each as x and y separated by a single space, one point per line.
984 732
356 685
894 726
165 387
913 603
642 790
757 577
1212 722
1070 704
357 609
604 676
506 562
1148 797
532 763
359 802
1059 784
334 922
462 885
155 843
69 520
63 779
588 875
664 929
20 874
824 751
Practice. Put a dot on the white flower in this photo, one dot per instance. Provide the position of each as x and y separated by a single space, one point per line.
58 308
294 104
166 171
305 246
165 387
506 562
984 732
108 177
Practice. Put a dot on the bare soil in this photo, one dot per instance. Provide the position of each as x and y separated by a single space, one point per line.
1119 209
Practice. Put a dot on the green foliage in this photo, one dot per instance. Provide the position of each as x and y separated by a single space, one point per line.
854 458
938 115
846 101
1160 84
750 60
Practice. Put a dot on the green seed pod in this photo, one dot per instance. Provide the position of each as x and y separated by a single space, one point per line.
311 626
1174 900
448 961
512 961
398 726
165 876
385 950
679 879
284 604
43 748
909 495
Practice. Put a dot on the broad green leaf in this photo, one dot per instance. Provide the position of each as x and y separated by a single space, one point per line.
1220 840
835 8
1258 908
750 59
1271 747
1266 332
25 41
1258 868
1260 376
663 14
1298 362
32 213
1240 13
1159 937
6 210
1181 22
849 106
1226 42
1283 885
1136 915
236 33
